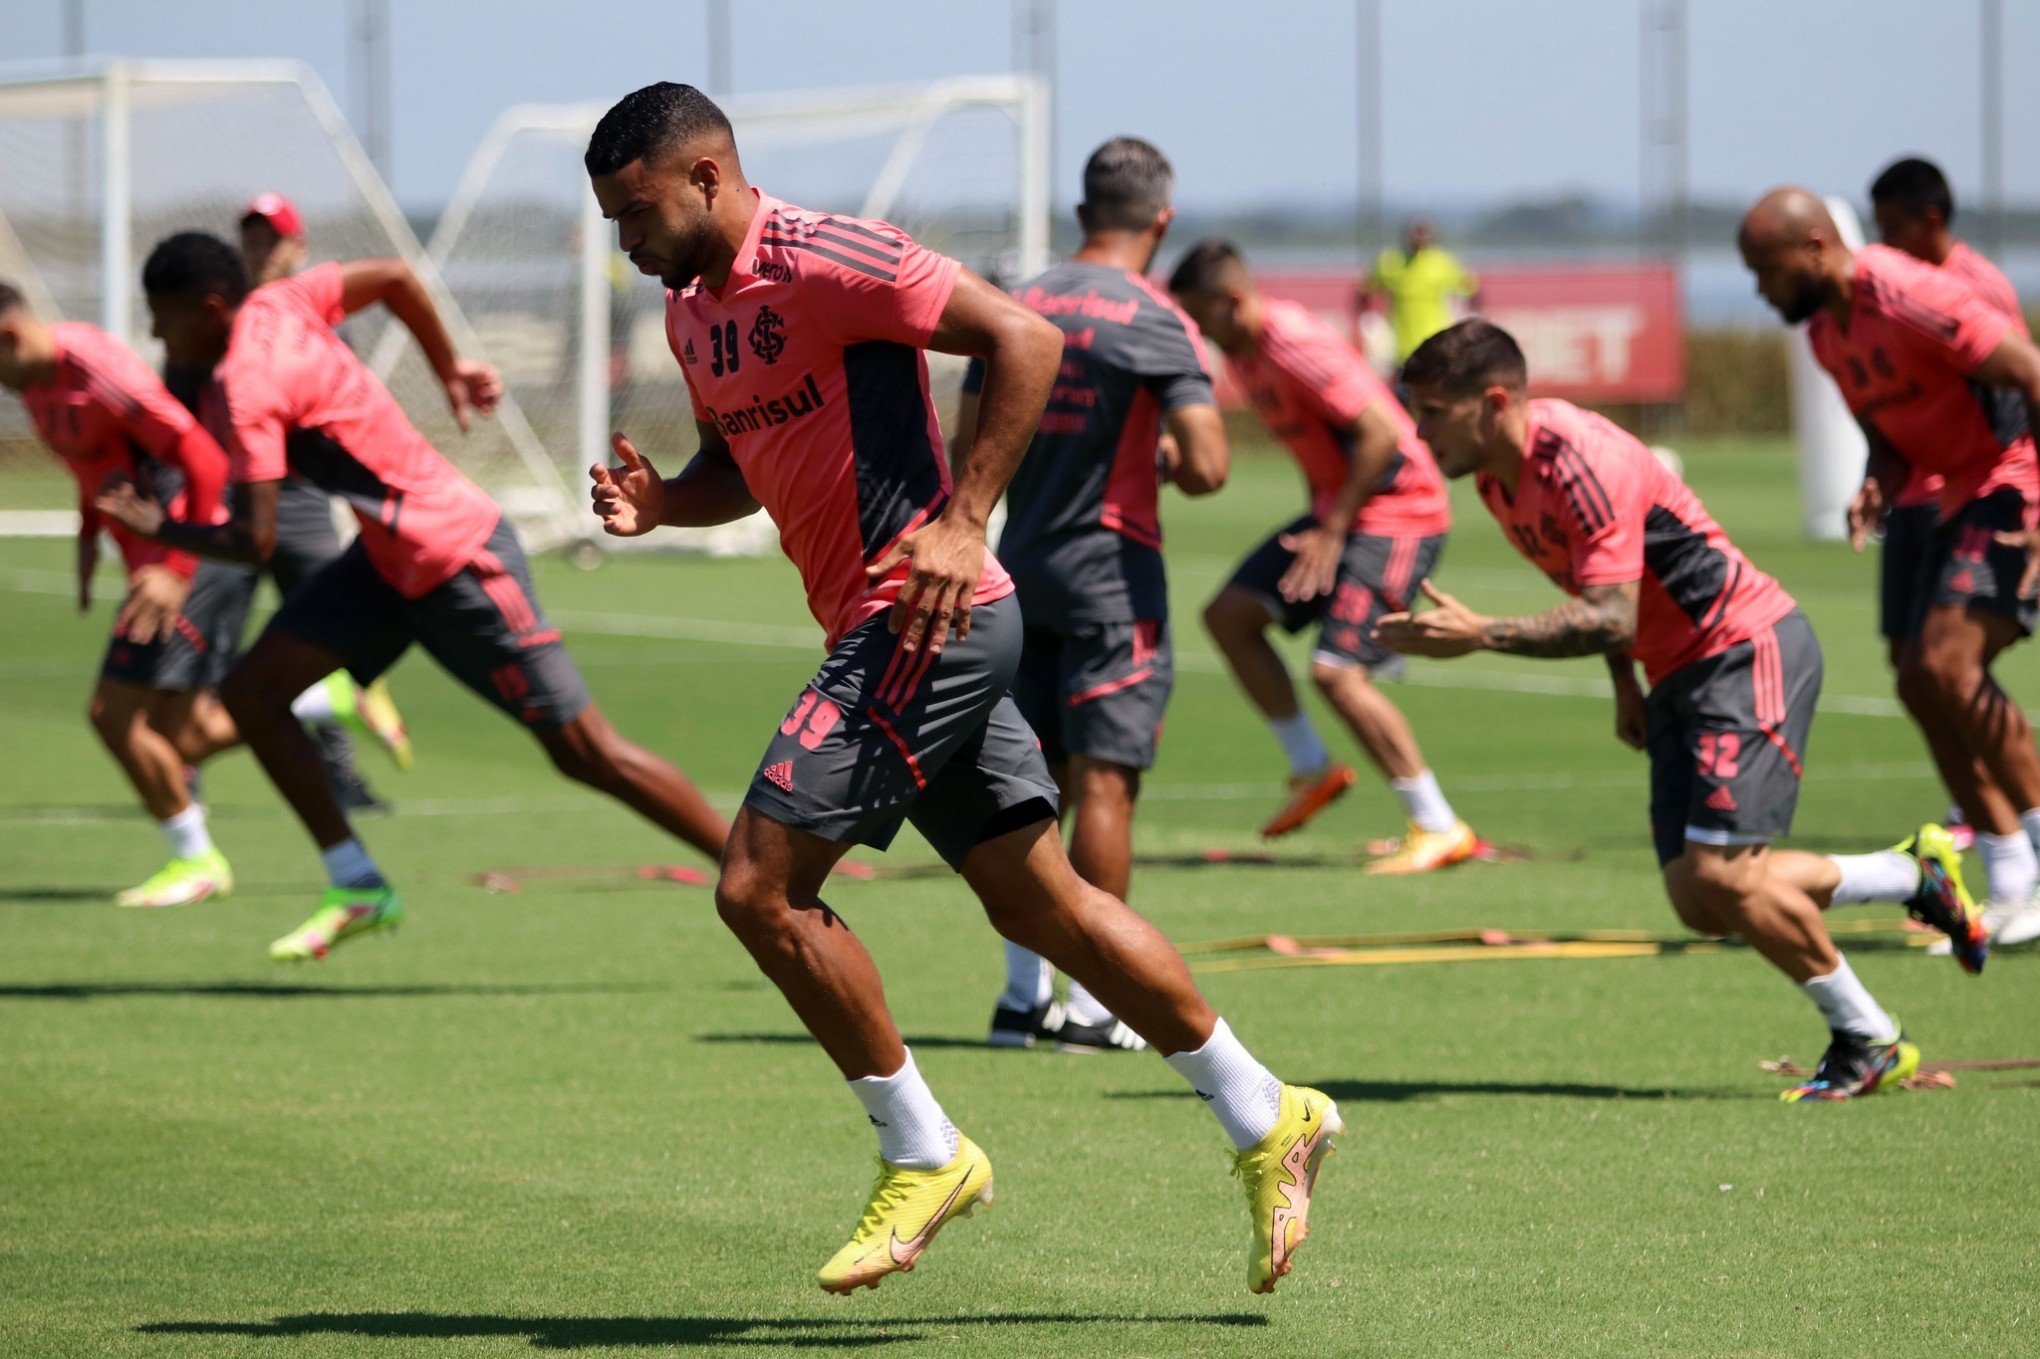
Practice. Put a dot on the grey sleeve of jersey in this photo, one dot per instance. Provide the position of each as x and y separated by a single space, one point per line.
1168 362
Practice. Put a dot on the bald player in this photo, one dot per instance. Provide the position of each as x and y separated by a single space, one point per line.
803 339
1941 382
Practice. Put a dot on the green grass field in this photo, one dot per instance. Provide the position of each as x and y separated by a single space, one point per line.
575 1118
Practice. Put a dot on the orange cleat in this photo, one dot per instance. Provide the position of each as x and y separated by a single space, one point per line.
1309 794
1422 851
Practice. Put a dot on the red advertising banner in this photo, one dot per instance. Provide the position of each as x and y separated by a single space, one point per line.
1590 332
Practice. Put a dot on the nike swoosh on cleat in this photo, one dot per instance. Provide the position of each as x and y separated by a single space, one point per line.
913 1245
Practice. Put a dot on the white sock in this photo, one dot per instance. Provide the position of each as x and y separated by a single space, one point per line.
1084 1008
1029 979
1241 1092
314 706
1885 875
1301 743
913 1132
348 865
1423 802
186 833
2030 819
1847 1005
2010 864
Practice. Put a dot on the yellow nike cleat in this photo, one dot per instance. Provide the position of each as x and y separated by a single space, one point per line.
1280 1173
916 1203
182 882
376 713
344 913
1422 851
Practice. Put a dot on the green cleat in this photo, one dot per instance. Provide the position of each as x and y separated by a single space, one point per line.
183 882
344 913
1942 901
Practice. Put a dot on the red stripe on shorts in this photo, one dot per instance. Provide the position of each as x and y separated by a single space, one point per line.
913 765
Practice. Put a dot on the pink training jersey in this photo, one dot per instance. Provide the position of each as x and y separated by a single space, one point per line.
1595 507
290 396
105 413
1990 284
1915 335
1309 386
810 361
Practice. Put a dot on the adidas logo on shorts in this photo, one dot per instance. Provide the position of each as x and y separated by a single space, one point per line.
781 774
1721 800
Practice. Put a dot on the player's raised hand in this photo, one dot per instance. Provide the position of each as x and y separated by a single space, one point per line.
1316 568
1866 512
628 499
473 388
2027 541
153 603
944 560
1447 629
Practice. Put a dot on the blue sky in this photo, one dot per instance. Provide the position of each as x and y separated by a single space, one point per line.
1485 100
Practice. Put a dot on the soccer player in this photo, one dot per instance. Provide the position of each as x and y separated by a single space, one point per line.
99 409
1083 544
1914 206
435 563
1733 669
1375 527
274 246
801 338
1941 381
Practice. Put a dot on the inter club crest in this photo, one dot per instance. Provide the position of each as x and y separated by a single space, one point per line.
767 341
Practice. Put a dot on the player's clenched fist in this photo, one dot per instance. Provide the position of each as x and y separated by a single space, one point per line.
627 499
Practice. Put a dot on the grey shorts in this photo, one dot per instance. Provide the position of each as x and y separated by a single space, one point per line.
1097 689
1964 564
1377 575
882 736
483 626
208 636
1728 739
305 537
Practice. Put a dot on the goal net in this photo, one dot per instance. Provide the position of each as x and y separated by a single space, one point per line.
99 163
579 334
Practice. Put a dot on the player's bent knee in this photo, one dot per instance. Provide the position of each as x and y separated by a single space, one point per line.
1331 678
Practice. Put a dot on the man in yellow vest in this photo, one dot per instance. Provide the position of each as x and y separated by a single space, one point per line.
1422 281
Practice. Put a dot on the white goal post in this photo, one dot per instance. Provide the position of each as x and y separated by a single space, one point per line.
100 160
961 164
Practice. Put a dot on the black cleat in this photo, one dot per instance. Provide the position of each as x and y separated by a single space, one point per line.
1020 1028
1108 1035
1854 1066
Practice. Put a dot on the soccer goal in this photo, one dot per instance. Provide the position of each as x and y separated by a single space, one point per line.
960 164
99 162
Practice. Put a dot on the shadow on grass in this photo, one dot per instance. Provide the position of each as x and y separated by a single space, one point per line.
62 895
803 1040
299 991
1403 1092
566 1333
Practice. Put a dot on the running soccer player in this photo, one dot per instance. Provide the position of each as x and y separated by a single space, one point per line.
1914 206
1375 528
274 246
105 416
1083 544
1941 380
801 338
1733 668
435 563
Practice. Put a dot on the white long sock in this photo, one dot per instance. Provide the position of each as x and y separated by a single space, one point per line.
1848 1006
314 706
348 865
913 1132
1029 979
2030 819
1084 1008
1301 743
2010 865
1885 875
186 833
1243 1094
1424 802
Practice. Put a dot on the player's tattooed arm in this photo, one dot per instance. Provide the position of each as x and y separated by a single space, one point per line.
1600 620
1632 715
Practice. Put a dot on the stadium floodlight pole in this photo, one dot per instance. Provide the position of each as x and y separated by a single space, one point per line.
1993 114
1035 177
719 48
116 203
1367 67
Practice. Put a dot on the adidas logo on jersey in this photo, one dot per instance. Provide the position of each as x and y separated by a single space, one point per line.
1721 800
687 352
781 774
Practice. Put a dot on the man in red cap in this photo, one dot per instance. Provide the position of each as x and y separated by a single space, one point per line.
272 238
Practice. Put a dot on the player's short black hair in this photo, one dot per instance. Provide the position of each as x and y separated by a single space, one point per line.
1206 266
1915 184
10 297
1127 184
1469 357
193 263
645 122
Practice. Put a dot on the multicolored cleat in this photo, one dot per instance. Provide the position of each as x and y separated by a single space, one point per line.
182 882
1422 851
907 1208
1280 1174
1309 794
1854 1066
372 712
1941 900
344 913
